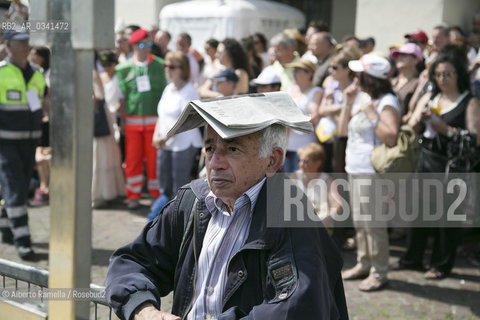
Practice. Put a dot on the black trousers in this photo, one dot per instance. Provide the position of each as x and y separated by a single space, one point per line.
444 247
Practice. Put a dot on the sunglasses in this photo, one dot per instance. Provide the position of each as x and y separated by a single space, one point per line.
171 67
145 44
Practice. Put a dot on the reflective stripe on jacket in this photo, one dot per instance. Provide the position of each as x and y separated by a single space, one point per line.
140 121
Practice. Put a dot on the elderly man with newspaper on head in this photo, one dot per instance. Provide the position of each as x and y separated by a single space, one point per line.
213 246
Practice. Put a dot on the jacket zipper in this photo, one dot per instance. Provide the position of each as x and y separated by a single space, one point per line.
195 263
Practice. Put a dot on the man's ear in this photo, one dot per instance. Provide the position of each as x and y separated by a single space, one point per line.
274 161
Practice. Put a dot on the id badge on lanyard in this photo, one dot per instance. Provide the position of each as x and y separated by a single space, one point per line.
33 101
143 82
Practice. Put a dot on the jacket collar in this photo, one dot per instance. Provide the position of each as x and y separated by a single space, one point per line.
259 236
200 188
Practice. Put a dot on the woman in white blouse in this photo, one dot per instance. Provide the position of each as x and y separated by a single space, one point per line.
373 118
176 155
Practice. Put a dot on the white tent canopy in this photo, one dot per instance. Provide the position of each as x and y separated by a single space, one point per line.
204 19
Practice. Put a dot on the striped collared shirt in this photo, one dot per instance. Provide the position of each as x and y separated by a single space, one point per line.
218 249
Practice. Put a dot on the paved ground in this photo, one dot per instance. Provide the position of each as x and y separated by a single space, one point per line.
408 295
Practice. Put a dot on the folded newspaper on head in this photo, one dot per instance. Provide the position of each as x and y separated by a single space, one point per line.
241 115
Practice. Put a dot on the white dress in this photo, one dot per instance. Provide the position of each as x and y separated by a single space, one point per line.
112 95
108 180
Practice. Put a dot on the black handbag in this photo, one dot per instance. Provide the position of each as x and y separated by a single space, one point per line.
101 128
463 153
458 153
431 161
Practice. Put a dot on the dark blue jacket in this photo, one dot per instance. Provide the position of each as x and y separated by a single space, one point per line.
280 273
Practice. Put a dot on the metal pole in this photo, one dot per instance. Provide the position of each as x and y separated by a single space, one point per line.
71 131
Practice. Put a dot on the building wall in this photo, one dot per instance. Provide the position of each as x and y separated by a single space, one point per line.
141 12
343 18
460 12
314 9
388 20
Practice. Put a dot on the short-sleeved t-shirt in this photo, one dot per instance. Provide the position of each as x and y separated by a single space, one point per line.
362 137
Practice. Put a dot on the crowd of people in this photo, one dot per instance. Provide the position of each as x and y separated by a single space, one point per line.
357 98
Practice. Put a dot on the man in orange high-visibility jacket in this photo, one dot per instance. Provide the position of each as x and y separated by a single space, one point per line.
142 80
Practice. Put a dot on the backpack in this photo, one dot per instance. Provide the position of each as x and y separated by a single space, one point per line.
188 205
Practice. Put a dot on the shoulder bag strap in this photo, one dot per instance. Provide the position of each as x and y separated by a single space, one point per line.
188 205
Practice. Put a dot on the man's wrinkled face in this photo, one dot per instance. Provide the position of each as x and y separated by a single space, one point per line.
233 165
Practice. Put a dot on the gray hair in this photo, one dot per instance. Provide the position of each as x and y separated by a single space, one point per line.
274 136
284 40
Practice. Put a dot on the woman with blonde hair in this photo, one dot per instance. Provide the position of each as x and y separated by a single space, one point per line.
316 184
329 109
176 155
307 97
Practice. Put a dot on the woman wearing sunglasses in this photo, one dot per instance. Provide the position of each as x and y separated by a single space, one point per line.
329 109
176 155
438 117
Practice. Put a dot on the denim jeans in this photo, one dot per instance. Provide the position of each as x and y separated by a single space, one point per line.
174 168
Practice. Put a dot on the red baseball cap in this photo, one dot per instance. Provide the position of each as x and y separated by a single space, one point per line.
138 36
419 35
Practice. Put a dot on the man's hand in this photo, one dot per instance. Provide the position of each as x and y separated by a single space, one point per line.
158 142
147 311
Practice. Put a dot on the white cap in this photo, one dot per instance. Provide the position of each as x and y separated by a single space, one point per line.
266 77
371 64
